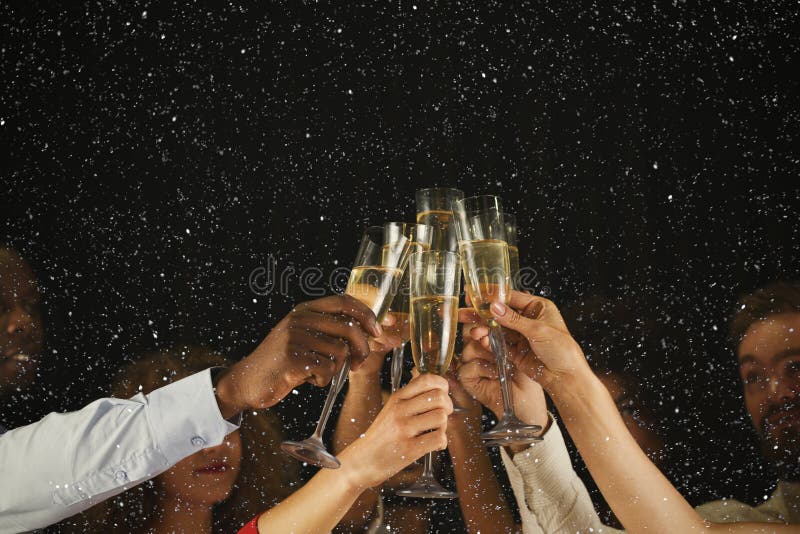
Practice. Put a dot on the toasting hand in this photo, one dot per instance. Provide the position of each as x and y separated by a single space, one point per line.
309 345
539 342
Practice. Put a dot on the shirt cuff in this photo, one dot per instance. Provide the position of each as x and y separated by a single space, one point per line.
185 418
545 466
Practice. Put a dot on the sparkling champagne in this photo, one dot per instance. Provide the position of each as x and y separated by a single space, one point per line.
486 268
444 236
513 264
434 322
374 286
399 306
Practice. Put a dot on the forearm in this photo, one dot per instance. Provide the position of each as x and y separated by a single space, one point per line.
361 405
640 496
482 503
316 507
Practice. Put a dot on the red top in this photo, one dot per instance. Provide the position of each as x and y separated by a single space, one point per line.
251 527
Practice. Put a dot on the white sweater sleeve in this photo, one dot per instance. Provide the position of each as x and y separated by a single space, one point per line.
68 462
548 491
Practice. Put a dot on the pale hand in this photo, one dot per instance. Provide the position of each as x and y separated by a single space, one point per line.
540 344
412 423
479 376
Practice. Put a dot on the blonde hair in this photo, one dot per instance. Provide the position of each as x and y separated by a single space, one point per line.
265 478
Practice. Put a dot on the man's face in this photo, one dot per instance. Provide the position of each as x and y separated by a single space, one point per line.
21 334
769 364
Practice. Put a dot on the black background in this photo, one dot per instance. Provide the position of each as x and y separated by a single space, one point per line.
153 156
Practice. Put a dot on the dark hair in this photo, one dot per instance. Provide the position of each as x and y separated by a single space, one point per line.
773 299
265 477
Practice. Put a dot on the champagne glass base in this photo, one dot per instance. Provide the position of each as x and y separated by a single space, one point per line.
311 451
426 489
505 443
511 431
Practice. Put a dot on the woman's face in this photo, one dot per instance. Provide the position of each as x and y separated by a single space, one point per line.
207 476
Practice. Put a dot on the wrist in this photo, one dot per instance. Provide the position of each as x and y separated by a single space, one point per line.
530 405
225 393
365 379
570 388
546 424
353 475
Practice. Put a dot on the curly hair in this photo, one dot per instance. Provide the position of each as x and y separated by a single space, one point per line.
265 478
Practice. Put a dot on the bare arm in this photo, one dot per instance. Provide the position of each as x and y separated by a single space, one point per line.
361 405
640 496
482 502
412 423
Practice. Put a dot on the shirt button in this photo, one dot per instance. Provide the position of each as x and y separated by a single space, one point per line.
197 441
121 476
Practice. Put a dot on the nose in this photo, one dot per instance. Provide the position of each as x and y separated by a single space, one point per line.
19 321
780 389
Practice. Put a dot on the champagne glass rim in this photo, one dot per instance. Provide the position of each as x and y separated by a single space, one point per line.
454 189
374 234
408 224
495 199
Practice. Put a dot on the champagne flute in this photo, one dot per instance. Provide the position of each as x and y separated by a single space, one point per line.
419 236
374 280
435 281
485 262
435 208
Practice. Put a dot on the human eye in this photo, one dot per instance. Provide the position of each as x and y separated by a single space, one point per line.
792 368
754 380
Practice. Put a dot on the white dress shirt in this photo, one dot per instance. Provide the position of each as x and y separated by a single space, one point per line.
550 495
68 462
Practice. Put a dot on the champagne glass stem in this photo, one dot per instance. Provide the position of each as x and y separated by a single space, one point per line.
427 471
397 366
498 342
333 392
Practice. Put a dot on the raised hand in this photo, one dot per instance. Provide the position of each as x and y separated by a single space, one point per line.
412 423
479 377
378 347
309 345
540 344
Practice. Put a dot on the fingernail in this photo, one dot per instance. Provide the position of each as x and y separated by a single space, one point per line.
499 309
